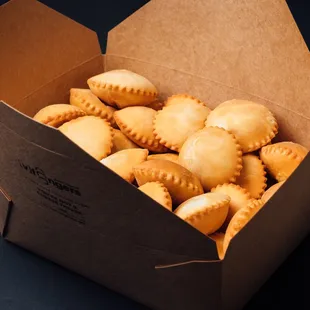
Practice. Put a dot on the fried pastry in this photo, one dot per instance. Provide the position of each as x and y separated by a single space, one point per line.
206 212
137 124
121 142
282 158
123 162
165 156
158 192
252 124
253 176
271 191
214 155
182 98
176 122
57 114
112 120
91 133
156 105
123 88
240 220
89 103
180 182
218 237
239 196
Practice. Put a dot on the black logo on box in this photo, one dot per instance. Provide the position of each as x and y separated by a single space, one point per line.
44 179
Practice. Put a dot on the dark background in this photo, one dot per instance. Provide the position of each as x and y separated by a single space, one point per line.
28 282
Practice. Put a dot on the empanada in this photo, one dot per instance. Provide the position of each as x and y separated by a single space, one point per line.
282 158
252 124
213 155
91 133
180 182
137 124
57 114
122 88
206 212
158 192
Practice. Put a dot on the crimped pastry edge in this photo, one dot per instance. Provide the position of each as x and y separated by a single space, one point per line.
167 197
163 141
158 174
153 144
90 108
130 90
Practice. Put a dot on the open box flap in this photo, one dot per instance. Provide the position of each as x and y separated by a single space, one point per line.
39 159
5 205
39 45
237 44
267 240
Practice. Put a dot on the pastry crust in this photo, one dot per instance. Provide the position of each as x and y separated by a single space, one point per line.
92 134
156 105
176 122
165 156
281 159
252 124
271 191
180 182
158 192
123 88
240 220
57 114
218 237
112 121
123 162
121 142
89 103
239 196
137 124
206 212
253 176
214 155
182 98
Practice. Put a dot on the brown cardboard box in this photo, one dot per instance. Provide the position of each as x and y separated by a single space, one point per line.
60 203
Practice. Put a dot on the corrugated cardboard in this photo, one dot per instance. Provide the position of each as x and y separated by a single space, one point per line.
69 208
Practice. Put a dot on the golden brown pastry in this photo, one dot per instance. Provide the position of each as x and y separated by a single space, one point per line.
112 121
158 192
214 155
253 176
165 156
206 212
123 162
176 122
182 98
156 105
218 237
271 191
252 124
91 133
180 182
240 220
239 196
281 159
122 88
121 142
137 124
57 114
89 103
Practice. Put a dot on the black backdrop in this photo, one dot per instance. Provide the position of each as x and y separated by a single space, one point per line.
28 282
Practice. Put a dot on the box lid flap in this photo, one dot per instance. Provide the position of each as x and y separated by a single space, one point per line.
254 46
39 45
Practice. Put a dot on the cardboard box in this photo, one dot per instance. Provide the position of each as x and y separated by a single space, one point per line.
62 204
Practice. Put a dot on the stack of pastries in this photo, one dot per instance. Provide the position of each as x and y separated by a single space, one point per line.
208 167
